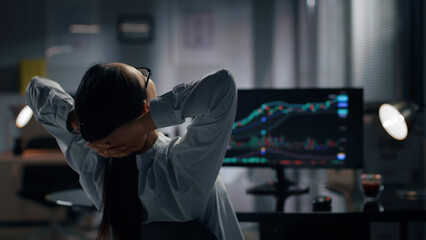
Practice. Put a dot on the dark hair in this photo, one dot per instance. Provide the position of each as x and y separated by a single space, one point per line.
106 98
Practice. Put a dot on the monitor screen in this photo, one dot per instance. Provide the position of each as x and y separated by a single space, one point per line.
308 128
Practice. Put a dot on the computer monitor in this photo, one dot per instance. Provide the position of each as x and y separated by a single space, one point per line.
297 128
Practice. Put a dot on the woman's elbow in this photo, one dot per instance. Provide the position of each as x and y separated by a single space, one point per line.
227 81
31 92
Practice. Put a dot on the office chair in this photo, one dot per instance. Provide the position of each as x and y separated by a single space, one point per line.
192 230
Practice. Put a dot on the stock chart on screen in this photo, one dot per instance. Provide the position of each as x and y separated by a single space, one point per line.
297 127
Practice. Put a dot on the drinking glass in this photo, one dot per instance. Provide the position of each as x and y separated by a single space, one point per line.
372 185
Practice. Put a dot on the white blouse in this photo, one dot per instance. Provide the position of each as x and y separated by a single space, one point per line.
178 178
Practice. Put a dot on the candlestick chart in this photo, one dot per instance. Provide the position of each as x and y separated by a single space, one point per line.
291 133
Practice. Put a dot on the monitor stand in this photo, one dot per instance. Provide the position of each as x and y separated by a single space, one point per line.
281 189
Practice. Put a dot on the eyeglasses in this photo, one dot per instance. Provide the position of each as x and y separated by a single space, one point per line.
147 73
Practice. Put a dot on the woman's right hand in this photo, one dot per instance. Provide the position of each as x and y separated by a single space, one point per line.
133 136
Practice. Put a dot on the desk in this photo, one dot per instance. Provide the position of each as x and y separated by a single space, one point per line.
13 208
276 222
353 221
33 157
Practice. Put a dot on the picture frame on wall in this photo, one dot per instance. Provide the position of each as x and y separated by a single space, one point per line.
135 29
193 31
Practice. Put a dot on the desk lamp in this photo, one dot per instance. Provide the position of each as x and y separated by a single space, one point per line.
398 120
22 120
24 117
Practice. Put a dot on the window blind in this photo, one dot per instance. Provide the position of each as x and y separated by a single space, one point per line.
373 48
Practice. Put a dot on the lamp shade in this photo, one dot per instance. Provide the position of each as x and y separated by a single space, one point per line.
398 119
24 117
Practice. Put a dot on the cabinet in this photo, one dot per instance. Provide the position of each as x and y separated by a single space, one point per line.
13 208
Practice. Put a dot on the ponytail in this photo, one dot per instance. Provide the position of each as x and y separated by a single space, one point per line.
123 212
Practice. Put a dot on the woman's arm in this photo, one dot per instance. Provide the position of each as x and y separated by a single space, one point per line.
53 108
211 102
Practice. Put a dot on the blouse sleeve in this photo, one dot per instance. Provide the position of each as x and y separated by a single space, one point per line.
211 102
51 106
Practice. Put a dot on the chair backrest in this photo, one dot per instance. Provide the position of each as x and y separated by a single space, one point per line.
192 230
39 180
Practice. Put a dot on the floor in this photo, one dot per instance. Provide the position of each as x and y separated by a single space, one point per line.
80 227
19 233
380 231
85 227
15 233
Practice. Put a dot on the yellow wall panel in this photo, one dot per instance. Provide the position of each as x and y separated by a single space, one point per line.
28 68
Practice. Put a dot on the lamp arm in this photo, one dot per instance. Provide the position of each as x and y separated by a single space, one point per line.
419 129
419 109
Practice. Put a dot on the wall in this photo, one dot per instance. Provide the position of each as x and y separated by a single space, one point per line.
8 129
332 43
423 115
75 52
22 26
284 50
22 36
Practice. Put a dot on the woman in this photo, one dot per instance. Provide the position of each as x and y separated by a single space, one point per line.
134 174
